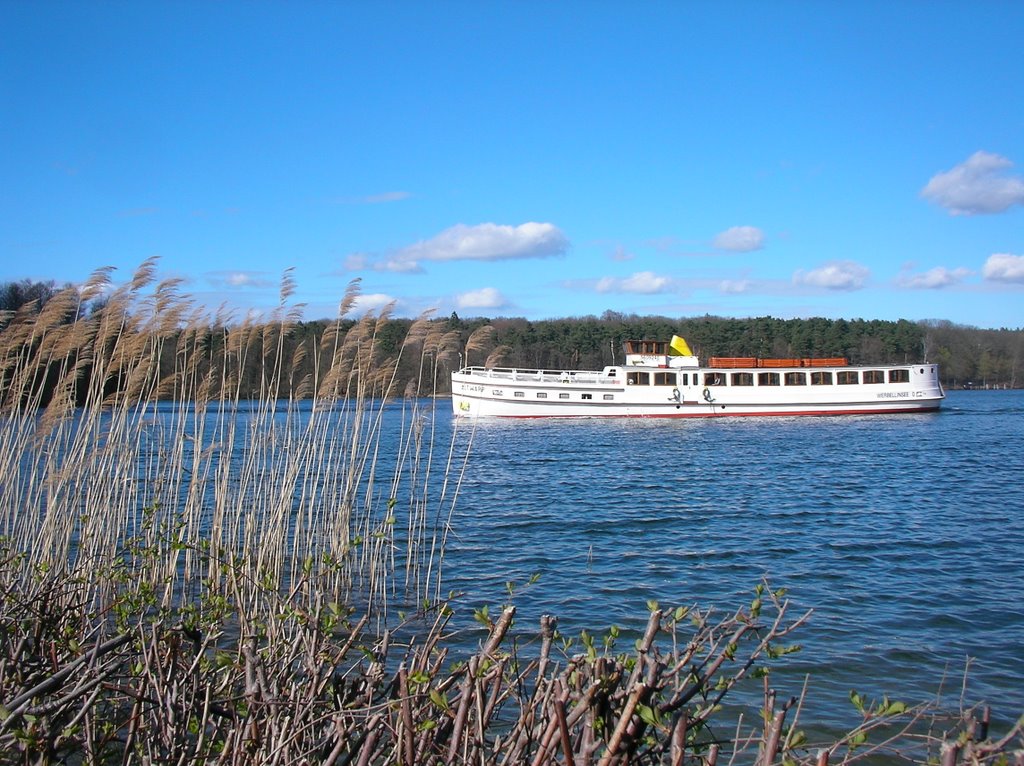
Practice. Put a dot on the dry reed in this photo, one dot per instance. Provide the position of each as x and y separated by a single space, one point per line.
132 421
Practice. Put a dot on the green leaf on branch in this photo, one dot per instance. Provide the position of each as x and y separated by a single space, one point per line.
439 699
648 715
857 700
755 607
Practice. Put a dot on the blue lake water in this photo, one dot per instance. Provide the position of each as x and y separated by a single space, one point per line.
904 533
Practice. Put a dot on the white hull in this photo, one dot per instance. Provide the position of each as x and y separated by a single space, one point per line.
642 391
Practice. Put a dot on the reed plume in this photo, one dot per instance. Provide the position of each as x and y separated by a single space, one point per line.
497 356
132 424
481 339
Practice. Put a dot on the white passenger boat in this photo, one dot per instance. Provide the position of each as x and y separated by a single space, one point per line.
666 380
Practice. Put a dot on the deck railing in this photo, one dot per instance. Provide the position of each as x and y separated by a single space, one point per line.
538 376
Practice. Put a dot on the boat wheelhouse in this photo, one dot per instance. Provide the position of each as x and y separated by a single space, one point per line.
665 379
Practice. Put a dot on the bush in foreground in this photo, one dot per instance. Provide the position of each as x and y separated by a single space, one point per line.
291 678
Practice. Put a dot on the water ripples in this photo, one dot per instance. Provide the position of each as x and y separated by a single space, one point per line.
904 533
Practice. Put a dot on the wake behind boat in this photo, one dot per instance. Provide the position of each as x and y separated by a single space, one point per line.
662 379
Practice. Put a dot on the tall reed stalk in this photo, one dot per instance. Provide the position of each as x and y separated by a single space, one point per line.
128 430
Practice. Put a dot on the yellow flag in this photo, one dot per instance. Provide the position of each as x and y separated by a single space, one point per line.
679 347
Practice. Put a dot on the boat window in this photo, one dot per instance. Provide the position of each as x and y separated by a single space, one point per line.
767 378
847 378
638 378
743 378
587 396
821 378
520 393
648 347
664 378
563 396
899 376
542 394
684 379
609 397
874 376
714 378
796 379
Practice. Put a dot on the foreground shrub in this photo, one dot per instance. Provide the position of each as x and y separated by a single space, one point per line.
288 678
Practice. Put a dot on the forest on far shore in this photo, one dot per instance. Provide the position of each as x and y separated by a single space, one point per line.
969 357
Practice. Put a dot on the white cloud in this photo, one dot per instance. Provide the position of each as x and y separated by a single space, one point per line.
976 186
484 242
488 242
740 239
644 282
933 279
735 286
240 279
1004 267
835 275
370 302
484 298
398 266
363 261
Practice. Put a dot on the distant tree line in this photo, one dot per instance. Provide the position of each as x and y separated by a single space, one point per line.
14 295
968 356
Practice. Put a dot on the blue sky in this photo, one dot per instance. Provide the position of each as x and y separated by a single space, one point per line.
529 159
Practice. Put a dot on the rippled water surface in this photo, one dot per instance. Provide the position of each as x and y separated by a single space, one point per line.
904 533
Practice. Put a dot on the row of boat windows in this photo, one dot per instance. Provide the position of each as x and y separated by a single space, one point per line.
816 378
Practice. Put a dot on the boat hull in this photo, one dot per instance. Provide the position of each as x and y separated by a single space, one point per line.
468 408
